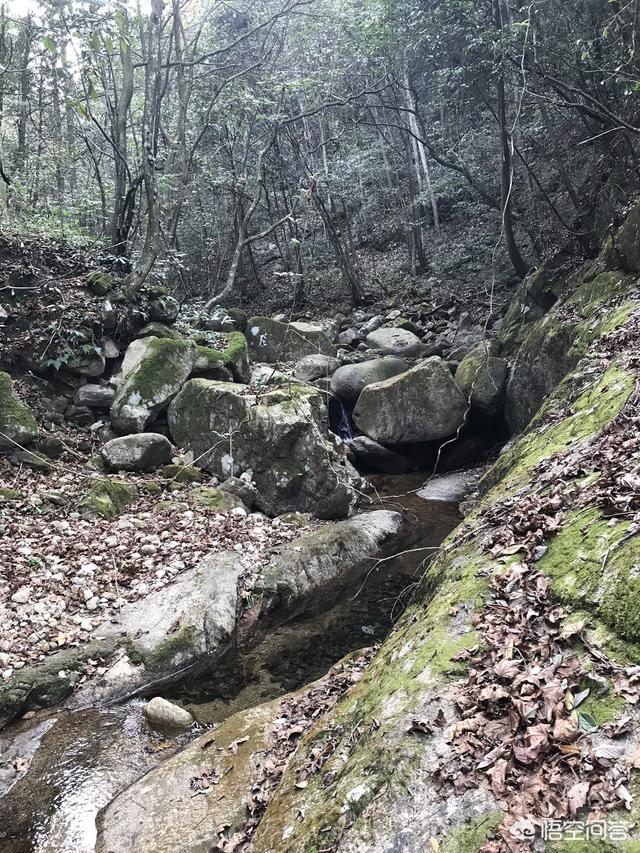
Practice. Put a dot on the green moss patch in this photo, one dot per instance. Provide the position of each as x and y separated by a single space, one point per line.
181 473
471 837
17 423
215 499
106 499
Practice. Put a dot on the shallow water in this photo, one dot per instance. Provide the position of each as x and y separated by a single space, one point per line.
73 763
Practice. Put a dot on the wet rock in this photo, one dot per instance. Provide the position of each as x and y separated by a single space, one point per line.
271 340
449 488
142 452
282 438
161 712
369 452
422 404
396 342
348 381
313 367
94 396
17 424
153 371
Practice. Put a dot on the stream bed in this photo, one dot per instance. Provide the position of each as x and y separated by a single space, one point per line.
57 770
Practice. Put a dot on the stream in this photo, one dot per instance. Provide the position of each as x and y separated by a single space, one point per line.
57 770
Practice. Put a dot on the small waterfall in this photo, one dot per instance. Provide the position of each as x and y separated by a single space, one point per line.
340 419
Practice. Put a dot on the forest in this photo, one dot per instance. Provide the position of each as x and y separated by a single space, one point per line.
319 426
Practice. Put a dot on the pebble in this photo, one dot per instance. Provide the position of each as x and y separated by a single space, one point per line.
92 603
164 713
22 595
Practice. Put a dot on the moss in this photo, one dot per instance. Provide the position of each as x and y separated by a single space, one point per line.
100 282
621 600
106 498
181 473
162 654
151 487
417 656
573 561
162 363
7 494
17 423
160 330
593 409
216 499
603 707
471 837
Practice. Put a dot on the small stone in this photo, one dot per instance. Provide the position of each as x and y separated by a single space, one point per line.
22 595
92 603
161 712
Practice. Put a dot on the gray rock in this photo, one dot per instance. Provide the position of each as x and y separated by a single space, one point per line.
449 488
315 366
94 396
225 320
110 349
108 315
242 489
281 437
153 371
482 378
271 340
377 456
163 309
349 380
21 595
396 342
161 712
142 452
87 364
370 326
347 338
159 330
422 404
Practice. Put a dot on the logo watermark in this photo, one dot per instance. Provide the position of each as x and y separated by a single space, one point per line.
581 830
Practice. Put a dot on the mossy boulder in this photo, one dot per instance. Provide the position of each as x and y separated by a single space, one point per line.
215 499
554 344
101 282
272 341
159 330
229 363
181 473
226 320
482 378
106 498
17 424
153 371
280 436
163 309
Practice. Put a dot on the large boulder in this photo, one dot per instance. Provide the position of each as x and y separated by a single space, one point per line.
396 342
143 452
349 380
17 423
370 453
422 404
231 362
271 340
153 371
281 437
482 378
551 347
316 366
